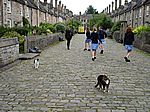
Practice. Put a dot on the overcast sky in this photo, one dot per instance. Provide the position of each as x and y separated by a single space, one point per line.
81 5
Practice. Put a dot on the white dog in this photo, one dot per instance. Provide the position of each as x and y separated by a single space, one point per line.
36 63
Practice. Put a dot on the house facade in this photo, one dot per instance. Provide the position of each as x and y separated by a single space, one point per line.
135 12
35 11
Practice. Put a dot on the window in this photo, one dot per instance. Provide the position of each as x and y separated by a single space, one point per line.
8 22
140 12
27 12
21 10
8 6
147 10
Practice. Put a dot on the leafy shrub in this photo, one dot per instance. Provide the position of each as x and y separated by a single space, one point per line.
25 22
140 29
116 26
47 28
21 30
3 30
60 27
13 34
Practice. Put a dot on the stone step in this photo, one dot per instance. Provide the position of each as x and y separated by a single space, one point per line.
28 56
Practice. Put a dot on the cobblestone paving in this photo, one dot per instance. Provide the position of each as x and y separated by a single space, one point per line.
65 81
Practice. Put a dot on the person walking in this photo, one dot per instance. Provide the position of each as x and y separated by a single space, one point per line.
94 43
87 40
128 43
101 35
68 36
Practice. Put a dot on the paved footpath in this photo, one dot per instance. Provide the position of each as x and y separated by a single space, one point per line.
65 81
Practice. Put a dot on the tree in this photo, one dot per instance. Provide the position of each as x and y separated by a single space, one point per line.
102 20
91 10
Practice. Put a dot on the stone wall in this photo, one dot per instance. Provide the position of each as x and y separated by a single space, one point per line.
40 41
143 41
9 51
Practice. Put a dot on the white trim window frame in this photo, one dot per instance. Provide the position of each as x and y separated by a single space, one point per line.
147 10
140 12
9 22
9 6
21 10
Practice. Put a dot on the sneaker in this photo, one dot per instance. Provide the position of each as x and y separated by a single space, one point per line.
85 49
126 59
92 59
101 51
89 49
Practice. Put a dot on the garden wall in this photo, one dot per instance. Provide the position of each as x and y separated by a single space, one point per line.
9 51
40 41
142 42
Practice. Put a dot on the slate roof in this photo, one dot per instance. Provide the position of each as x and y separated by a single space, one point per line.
147 2
41 7
30 3
138 4
20 1
128 9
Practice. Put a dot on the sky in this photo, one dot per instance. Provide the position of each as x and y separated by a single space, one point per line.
77 6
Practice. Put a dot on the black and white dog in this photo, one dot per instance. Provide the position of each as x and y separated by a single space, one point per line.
36 63
103 81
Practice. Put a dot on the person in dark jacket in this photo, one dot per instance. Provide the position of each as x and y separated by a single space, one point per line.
101 35
94 43
128 43
68 36
88 40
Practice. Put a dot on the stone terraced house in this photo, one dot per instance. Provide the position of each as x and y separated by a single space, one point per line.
12 12
135 12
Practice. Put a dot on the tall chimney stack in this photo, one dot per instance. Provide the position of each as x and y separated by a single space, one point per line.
115 4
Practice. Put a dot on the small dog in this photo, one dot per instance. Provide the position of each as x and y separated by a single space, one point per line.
36 63
103 81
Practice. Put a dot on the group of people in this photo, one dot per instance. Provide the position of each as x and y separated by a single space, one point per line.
96 39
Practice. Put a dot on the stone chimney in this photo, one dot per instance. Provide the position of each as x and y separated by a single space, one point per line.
112 6
65 9
62 7
109 8
45 1
55 4
119 3
59 6
125 2
51 4
115 4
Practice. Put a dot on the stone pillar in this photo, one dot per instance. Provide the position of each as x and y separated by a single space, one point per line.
115 4
112 6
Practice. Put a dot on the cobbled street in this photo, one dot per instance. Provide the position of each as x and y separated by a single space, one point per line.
65 80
